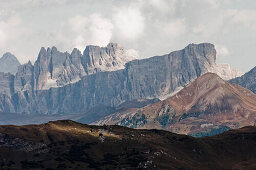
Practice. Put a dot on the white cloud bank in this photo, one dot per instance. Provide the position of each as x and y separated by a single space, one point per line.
222 51
153 27
129 22
9 29
94 30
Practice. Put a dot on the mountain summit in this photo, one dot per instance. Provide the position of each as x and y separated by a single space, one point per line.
9 63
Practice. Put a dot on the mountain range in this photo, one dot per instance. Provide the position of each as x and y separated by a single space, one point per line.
110 85
61 83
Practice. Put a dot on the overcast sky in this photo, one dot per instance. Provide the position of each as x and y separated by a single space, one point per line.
152 27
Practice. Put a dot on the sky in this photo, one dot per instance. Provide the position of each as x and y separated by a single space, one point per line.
151 27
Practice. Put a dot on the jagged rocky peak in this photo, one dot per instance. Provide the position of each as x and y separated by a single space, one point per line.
76 58
50 68
55 69
9 63
42 53
8 55
109 58
25 67
76 53
24 79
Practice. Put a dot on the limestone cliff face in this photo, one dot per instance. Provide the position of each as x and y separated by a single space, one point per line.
110 58
6 83
153 77
24 79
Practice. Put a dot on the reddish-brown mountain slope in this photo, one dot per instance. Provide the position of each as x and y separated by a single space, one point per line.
207 106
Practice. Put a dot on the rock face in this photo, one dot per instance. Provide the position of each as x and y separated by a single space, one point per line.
56 69
155 77
6 83
225 71
9 63
110 58
247 80
207 106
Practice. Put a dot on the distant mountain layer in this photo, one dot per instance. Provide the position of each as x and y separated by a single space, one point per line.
248 80
207 106
9 63
154 77
70 145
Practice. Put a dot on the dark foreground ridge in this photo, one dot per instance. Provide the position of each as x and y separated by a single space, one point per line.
70 145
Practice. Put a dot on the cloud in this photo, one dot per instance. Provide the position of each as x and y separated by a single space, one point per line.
129 22
222 51
202 3
9 29
199 28
174 28
94 30
2 37
163 6
153 27
244 17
